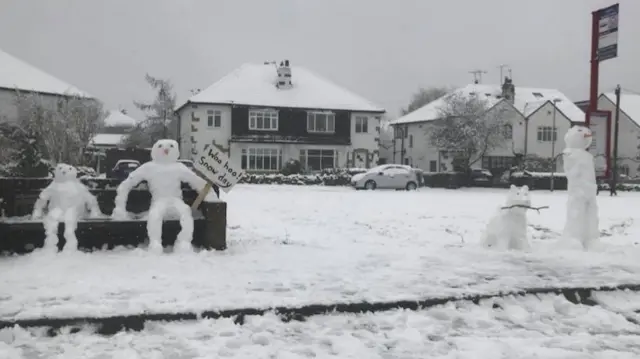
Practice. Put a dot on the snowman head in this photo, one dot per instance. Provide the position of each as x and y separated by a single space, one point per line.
578 137
64 172
519 196
165 151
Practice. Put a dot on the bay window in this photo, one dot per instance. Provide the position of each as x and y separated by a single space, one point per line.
317 160
261 159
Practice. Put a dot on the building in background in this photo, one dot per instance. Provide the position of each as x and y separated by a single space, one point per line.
117 125
263 115
530 112
16 74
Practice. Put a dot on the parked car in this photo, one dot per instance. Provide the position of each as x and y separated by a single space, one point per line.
387 177
123 168
481 177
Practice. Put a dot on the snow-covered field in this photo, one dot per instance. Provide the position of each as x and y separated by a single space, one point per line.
299 245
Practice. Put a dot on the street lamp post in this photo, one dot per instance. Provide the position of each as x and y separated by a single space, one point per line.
554 135
163 99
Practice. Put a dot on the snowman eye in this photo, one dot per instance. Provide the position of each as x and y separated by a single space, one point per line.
171 145
159 146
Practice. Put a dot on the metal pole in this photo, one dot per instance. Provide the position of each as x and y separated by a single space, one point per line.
402 145
595 66
553 146
164 113
614 180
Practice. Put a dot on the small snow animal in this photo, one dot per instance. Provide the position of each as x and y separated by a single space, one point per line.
582 208
67 200
164 176
507 229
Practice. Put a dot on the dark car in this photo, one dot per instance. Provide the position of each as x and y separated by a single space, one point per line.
187 163
123 168
481 177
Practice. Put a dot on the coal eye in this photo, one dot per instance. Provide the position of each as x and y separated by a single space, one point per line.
160 146
171 145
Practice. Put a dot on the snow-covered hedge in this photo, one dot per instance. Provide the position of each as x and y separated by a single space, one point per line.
333 177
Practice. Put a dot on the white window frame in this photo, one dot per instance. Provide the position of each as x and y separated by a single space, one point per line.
211 118
547 134
304 158
329 125
260 153
257 116
362 124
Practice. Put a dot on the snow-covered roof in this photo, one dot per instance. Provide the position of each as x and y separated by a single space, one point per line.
527 101
629 104
15 73
117 118
255 85
107 139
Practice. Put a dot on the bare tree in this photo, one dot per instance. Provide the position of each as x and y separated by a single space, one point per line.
160 119
63 127
469 127
424 96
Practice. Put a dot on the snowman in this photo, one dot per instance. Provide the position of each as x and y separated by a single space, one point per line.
582 209
164 176
507 228
67 199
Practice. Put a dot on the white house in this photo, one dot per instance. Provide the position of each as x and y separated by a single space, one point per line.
263 115
16 74
116 126
628 132
537 117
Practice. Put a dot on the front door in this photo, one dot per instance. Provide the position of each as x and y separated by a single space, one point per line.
360 158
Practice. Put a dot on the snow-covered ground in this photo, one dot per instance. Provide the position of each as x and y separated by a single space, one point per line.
297 245
546 327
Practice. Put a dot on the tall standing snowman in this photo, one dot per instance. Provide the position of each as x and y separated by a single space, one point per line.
164 176
582 209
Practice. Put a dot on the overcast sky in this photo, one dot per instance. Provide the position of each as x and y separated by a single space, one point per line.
382 50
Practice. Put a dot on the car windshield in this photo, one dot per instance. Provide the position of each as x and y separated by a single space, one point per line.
378 169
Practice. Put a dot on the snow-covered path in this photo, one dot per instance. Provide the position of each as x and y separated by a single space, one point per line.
298 245
520 328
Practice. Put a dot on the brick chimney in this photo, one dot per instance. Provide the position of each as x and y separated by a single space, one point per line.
508 90
284 75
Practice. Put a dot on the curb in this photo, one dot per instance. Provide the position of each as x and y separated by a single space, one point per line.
113 324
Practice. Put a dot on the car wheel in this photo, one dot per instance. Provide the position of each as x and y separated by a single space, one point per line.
370 185
411 186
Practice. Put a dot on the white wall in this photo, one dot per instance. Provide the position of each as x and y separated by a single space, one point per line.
9 109
365 144
628 137
544 117
199 132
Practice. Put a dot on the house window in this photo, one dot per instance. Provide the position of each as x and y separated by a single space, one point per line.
214 118
538 95
593 141
317 160
321 122
263 120
261 159
401 131
547 134
410 141
624 170
433 166
508 131
497 162
362 124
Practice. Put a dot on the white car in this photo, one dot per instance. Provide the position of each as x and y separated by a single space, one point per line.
387 177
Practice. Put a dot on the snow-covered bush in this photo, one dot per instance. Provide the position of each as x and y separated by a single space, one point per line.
291 167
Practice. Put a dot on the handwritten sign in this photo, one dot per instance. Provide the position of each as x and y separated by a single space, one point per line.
216 166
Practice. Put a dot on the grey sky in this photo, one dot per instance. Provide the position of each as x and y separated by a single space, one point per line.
382 50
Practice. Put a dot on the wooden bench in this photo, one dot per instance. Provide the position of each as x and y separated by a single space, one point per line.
19 234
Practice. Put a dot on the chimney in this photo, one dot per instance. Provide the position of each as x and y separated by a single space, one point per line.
284 75
508 89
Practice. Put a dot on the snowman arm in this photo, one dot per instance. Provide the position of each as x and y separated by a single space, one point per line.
193 180
90 200
43 199
138 175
